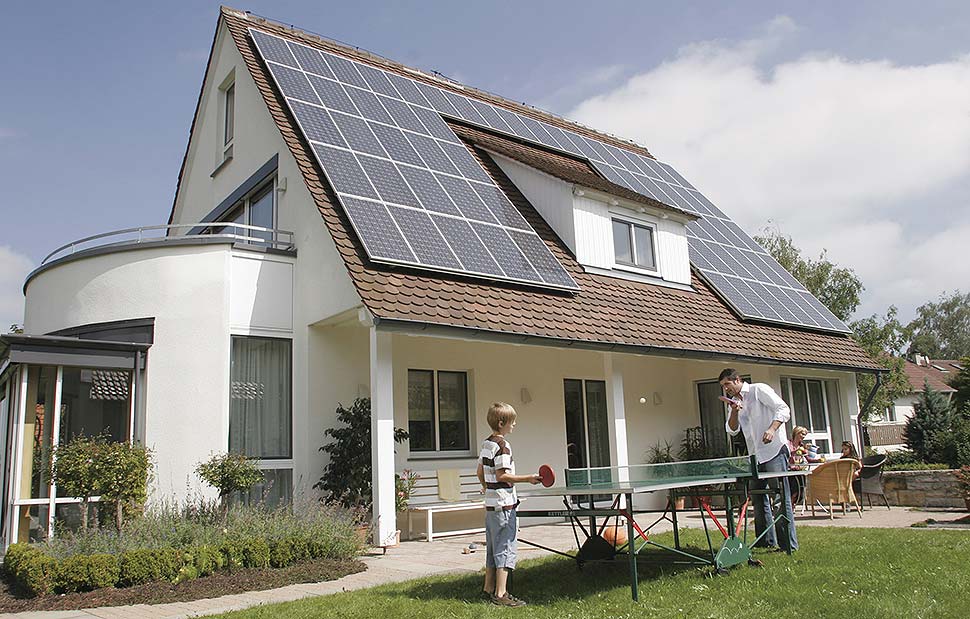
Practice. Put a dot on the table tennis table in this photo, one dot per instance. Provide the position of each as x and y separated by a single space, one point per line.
615 488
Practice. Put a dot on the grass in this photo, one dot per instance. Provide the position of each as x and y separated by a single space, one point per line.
838 572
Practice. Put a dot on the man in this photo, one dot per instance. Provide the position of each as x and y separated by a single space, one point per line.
758 411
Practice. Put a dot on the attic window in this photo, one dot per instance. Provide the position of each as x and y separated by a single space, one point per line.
939 367
634 245
957 366
230 114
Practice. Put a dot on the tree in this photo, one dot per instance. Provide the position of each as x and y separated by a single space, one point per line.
124 471
932 418
75 470
961 382
883 339
941 330
229 473
836 287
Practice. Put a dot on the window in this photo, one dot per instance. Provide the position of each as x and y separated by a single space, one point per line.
260 412
633 245
229 114
437 410
258 208
809 407
713 414
587 423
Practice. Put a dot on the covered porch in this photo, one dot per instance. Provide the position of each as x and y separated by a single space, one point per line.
578 405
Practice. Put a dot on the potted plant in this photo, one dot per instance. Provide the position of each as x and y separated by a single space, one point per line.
661 454
963 478
694 447
404 483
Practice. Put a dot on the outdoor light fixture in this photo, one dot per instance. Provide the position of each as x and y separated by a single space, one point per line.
657 399
524 395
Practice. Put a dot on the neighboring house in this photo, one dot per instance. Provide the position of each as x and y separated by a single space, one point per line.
886 432
449 248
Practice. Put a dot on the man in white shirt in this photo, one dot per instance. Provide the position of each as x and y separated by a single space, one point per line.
758 412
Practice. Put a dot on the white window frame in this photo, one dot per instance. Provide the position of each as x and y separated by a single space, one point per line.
246 202
437 452
227 118
812 436
643 222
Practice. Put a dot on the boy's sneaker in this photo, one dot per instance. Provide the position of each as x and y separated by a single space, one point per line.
507 600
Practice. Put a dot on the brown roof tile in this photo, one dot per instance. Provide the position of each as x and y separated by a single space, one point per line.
938 380
607 311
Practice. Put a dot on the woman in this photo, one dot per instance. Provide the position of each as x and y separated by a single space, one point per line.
797 448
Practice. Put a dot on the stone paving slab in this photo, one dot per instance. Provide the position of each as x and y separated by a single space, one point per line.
415 559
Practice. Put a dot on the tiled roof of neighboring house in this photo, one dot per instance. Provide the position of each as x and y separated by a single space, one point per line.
937 379
607 312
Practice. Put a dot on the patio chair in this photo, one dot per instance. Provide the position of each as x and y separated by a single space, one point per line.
832 483
870 480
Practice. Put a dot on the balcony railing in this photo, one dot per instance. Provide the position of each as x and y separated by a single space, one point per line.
229 231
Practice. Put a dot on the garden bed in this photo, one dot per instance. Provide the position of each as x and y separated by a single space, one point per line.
13 600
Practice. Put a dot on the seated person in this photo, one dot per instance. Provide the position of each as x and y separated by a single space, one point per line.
848 451
800 452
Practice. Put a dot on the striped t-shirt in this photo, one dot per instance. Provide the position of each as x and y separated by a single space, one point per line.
497 454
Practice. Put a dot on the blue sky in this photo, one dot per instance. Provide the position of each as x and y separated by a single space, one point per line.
843 124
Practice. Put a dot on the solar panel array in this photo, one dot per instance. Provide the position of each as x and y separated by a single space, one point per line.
416 196
409 186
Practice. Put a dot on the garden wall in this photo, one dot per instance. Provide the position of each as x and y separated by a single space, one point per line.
922 488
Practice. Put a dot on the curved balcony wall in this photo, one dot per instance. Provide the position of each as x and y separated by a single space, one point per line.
199 290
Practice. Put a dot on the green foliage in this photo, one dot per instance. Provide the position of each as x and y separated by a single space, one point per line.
86 572
941 330
931 416
139 567
836 287
347 476
883 340
229 473
961 382
206 559
659 453
403 487
75 469
694 447
916 466
30 568
124 471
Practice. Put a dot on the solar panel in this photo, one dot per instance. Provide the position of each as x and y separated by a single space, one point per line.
422 164
412 191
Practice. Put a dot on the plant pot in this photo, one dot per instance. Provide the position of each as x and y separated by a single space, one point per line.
363 533
679 503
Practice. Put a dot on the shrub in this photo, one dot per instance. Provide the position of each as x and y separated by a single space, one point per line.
75 470
206 559
103 571
170 562
916 466
347 477
139 567
31 568
229 473
124 471
255 552
931 416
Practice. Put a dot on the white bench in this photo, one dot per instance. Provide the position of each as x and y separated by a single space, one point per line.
425 498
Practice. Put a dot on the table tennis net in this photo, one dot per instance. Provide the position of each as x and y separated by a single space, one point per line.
720 468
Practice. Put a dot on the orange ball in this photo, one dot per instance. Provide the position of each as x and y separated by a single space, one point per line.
614 535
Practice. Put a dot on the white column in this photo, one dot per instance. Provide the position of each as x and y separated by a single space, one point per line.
616 410
382 436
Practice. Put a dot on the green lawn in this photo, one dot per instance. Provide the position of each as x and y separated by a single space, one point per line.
843 573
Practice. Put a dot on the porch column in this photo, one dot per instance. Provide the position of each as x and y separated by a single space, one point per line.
382 437
616 410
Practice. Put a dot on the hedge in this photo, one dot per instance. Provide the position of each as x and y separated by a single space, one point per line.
38 573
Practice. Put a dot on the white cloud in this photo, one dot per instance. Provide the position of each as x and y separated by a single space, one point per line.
852 156
14 267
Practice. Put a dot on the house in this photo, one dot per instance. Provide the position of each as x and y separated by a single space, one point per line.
886 432
347 226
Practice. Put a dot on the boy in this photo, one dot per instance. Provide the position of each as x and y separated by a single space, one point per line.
496 472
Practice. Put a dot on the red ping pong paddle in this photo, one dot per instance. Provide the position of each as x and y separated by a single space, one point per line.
728 400
546 475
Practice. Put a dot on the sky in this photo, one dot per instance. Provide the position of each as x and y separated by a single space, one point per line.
845 126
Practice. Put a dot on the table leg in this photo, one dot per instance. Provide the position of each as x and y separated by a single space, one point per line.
672 503
631 549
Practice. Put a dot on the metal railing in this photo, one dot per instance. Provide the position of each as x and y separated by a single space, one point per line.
228 230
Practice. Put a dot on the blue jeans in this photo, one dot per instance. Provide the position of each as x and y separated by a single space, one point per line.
782 534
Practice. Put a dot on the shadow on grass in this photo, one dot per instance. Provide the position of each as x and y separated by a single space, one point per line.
550 579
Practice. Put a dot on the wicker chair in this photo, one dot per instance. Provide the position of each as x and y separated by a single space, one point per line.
832 483
870 480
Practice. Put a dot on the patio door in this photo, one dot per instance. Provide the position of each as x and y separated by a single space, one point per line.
713 414
808 401
587 423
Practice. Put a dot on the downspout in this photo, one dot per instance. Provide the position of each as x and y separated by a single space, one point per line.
858 419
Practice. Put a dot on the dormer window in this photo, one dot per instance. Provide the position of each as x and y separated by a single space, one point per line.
634 245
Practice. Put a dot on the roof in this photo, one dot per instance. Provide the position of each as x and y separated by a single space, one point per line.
608 311
562 166
937 379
